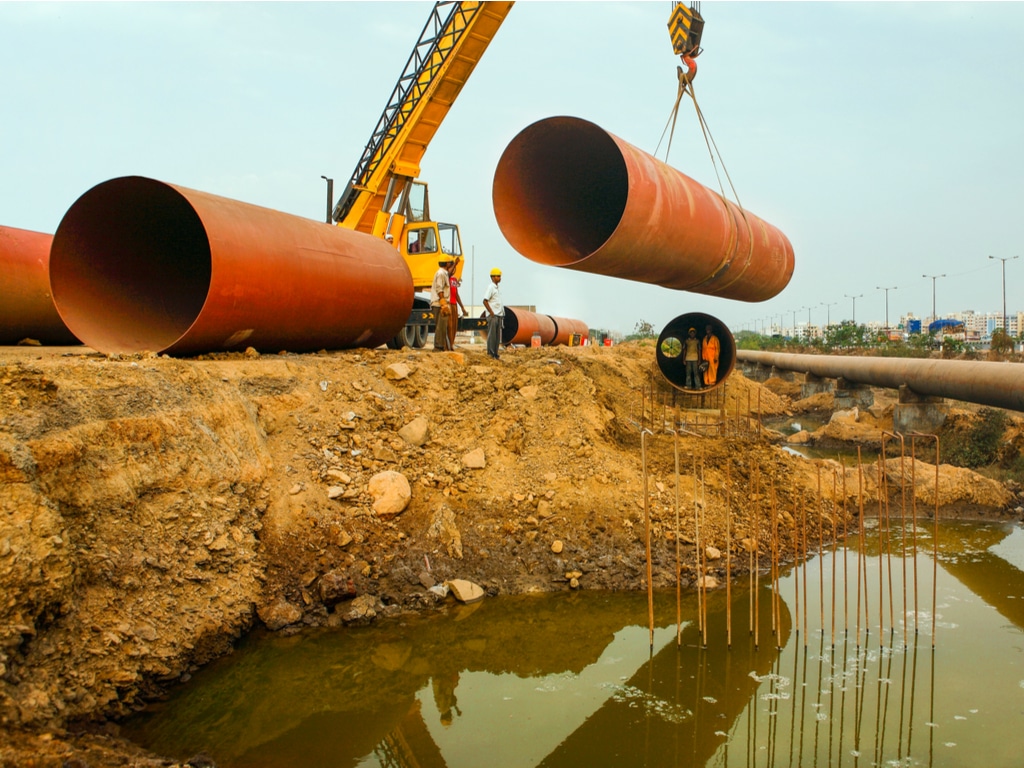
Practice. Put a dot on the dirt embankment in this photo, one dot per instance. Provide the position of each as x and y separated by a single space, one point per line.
153 510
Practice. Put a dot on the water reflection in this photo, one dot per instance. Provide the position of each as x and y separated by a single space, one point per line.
571 679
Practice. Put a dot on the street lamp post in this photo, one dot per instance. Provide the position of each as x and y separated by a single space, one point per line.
933 279
1006 329
858 296
828 312
890 288
330 197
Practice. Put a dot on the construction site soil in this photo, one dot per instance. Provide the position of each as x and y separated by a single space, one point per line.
154 510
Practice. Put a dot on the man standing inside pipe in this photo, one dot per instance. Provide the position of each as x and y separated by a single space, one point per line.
440 296
495 313
691 359
711 349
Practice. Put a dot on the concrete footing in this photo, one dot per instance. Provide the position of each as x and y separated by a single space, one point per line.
918 413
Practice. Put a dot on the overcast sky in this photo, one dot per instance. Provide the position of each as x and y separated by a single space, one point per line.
885 139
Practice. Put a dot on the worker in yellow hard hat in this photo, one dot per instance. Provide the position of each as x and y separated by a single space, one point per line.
495 313
691 360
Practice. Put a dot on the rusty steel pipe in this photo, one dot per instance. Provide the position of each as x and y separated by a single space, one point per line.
1000 385
566 327
567 193
26 306
520 325
142 265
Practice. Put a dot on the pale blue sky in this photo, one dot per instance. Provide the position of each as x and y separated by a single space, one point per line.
885 139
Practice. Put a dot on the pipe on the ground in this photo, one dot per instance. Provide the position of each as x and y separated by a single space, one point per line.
142 265
567 193
670 352
519 326
1000 385
566 328
26 306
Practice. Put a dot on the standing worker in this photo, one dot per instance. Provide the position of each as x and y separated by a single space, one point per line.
440 295
455 303
691 359
495 313
710 352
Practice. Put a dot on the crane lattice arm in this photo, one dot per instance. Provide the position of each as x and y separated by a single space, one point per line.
452 42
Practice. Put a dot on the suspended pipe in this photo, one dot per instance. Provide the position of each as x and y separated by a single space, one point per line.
26 306
142 265
567 193
1000 385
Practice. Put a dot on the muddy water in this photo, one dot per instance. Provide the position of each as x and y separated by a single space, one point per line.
843 672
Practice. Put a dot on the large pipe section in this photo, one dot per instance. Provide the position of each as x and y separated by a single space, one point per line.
142 265
1000 385
520 325
566 328
670 352
569 194
26 306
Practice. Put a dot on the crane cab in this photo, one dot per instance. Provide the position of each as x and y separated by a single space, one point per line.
420 241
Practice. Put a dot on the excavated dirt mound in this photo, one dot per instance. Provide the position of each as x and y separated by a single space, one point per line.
153 510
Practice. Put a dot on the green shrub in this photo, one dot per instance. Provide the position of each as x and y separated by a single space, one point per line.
978 444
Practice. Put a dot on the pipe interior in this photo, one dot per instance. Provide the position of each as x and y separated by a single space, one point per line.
560 190
130 266
669 350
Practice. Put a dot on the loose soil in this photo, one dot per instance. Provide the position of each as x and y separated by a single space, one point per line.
153 510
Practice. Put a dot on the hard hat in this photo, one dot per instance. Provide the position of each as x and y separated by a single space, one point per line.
444 260
495 271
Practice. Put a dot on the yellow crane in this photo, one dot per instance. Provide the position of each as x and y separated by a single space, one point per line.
384 195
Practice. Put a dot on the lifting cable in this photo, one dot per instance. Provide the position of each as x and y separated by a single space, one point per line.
709 140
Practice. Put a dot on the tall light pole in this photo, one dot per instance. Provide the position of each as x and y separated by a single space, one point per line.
859 296
933 279
1006 329
828 312
330 197
890 288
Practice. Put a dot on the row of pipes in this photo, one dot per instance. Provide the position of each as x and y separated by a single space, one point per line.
138 264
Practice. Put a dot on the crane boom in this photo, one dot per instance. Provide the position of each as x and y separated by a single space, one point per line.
453 40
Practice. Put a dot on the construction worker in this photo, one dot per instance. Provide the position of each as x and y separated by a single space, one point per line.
455 302
711 350
495 313
440 298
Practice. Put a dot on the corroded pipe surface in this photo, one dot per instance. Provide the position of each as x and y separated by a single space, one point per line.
26 307
567 193
142 265
987 383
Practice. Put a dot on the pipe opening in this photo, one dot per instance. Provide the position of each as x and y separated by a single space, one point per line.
670 352
130 266
560 190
